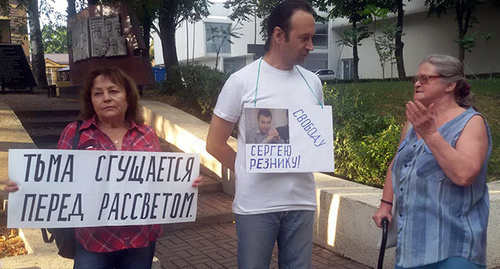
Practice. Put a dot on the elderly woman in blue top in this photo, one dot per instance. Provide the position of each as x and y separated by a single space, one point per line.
438 176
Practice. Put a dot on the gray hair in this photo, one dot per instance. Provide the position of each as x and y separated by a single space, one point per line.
452 71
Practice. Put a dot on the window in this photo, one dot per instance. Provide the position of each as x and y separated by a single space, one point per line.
347 66
316 61
218 37
320 40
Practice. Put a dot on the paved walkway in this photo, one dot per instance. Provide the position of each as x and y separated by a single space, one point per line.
214 246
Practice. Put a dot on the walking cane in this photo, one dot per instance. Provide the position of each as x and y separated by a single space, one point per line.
385 224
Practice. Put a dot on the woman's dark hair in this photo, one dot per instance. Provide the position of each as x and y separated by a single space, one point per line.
118 77
281 17
451 71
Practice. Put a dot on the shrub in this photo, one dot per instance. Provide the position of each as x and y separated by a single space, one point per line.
365 142
196 87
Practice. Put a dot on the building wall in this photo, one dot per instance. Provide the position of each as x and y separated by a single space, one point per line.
424 36
193 41
51 68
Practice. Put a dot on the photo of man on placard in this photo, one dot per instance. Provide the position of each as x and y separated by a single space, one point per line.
261 126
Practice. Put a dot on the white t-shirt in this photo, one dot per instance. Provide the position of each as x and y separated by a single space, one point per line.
268 192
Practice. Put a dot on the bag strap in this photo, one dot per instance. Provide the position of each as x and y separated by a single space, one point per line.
76 139
45 237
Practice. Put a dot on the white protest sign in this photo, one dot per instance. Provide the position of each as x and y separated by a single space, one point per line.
289 139
88 188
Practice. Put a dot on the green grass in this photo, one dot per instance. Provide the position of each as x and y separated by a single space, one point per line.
389 98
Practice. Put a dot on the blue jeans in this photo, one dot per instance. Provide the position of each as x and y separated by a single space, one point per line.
131 258
450 263
257 234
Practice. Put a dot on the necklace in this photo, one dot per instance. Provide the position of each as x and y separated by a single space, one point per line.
112 134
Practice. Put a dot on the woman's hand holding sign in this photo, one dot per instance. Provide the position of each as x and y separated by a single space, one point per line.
11 186
198 182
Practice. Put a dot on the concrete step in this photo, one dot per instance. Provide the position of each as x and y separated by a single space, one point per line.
45 137
47 113
46 145
42 122
210 185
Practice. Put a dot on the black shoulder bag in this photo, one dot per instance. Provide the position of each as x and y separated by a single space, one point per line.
65 237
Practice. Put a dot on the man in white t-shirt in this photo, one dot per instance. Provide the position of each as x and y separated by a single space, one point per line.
271 207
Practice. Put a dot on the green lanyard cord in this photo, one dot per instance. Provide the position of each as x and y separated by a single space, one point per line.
257 85
309 87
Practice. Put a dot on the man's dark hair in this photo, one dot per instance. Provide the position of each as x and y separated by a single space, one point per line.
281 17
264 112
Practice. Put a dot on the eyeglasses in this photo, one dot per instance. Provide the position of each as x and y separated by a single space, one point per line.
423 79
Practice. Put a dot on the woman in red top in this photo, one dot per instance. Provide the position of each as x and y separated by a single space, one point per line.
112 121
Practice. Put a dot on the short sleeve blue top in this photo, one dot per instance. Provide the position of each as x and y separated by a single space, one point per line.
436 218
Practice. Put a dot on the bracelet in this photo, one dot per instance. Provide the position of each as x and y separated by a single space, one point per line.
387 202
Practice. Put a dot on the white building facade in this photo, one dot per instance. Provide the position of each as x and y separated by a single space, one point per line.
422 36
194 42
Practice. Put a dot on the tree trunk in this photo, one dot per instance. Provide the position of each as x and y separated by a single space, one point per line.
194 41
71 8
461 32
399 43
37 55
255 22
187 42
93 2
71 14
167 36
355 54
146 31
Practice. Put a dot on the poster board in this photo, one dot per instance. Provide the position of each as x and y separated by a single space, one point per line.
296 140
87 188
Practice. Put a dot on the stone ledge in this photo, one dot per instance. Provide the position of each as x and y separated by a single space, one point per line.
343 216
344 224
188 134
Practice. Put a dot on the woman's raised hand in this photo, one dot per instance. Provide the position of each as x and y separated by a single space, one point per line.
421 118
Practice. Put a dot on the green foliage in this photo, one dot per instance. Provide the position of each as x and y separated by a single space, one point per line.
385 45
389 98
487 36
198 87
351 36
365 142
467 42
54 38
